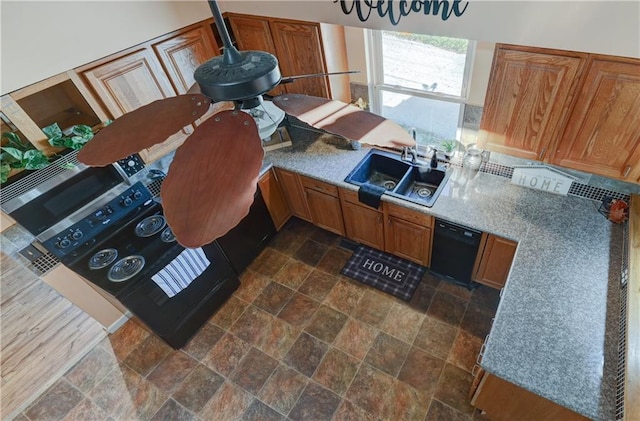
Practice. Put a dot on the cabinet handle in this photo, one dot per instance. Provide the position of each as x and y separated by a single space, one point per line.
627 170
379 219
542 151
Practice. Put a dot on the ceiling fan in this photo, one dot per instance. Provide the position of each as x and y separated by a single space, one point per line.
212 179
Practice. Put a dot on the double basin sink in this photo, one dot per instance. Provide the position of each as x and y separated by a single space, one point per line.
417 183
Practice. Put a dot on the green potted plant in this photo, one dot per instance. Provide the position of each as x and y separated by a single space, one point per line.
75 137
19 155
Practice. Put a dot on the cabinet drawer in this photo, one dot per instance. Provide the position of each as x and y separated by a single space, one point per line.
409 215
350 196
320 186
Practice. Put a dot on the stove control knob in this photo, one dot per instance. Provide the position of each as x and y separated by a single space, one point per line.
137 195
77 235
126 202
64 243
131 163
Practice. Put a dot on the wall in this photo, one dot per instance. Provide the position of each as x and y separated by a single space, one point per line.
43 38
607 27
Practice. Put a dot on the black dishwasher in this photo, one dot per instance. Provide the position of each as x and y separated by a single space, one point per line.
454 251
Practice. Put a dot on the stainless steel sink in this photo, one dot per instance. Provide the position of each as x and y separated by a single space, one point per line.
416 183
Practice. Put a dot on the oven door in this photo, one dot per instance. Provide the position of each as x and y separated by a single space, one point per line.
177 318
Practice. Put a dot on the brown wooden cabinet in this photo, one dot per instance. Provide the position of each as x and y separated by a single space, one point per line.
324 205
504 401
494 260
362 224
274 199
528 98
408 234
130 81
300 49
603 133
571 109
181 54
294 193
155 70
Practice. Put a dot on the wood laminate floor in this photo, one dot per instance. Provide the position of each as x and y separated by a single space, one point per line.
42 335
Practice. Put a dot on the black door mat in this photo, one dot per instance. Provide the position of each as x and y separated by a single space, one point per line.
385 272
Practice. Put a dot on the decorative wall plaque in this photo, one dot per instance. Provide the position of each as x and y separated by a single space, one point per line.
542 178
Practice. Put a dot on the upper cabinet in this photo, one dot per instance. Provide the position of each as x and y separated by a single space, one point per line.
299 47
152 71
575 110
181 55
603 133
527 100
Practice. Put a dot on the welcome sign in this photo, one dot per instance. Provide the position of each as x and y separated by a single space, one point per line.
396 10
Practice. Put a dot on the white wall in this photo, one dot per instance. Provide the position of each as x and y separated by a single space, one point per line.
43 38
596 26
480 73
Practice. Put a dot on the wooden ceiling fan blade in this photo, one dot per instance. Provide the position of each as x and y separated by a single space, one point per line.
212 179
345 120
142 128
194 89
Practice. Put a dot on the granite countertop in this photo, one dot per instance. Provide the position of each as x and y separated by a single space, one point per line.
555 330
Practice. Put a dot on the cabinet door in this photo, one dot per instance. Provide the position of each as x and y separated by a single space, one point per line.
129 82
527 101
300 52
495 261
363 224
294 192
603 132
274 199
408 240
182 54
325 211
254 33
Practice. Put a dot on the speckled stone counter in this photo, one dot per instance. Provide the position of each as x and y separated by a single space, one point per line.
555 330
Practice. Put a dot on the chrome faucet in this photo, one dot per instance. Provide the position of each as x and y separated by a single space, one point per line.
406 151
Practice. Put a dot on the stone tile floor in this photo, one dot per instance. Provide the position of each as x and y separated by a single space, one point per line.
296 341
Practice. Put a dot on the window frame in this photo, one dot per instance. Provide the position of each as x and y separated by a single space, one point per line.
377 86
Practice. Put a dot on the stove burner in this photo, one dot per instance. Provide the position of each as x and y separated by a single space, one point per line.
167 235
389 184
126 268
103 258
424 192
150 226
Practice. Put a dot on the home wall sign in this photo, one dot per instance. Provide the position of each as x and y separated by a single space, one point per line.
396 10
542 178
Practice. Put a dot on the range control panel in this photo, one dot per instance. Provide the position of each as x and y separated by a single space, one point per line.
131 165
72 240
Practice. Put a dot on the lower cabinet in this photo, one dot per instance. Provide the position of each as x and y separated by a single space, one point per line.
408 234
504 401
294 193
274 198
324 205
362 224
494 260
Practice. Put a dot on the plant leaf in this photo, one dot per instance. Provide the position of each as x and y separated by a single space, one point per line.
35 159
76 142
53 132
83 131
4 172
14 140
14 152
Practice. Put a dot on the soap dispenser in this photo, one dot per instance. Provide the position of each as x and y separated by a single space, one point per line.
434 159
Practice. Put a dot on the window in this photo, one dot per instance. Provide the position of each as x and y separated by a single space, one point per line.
420 81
